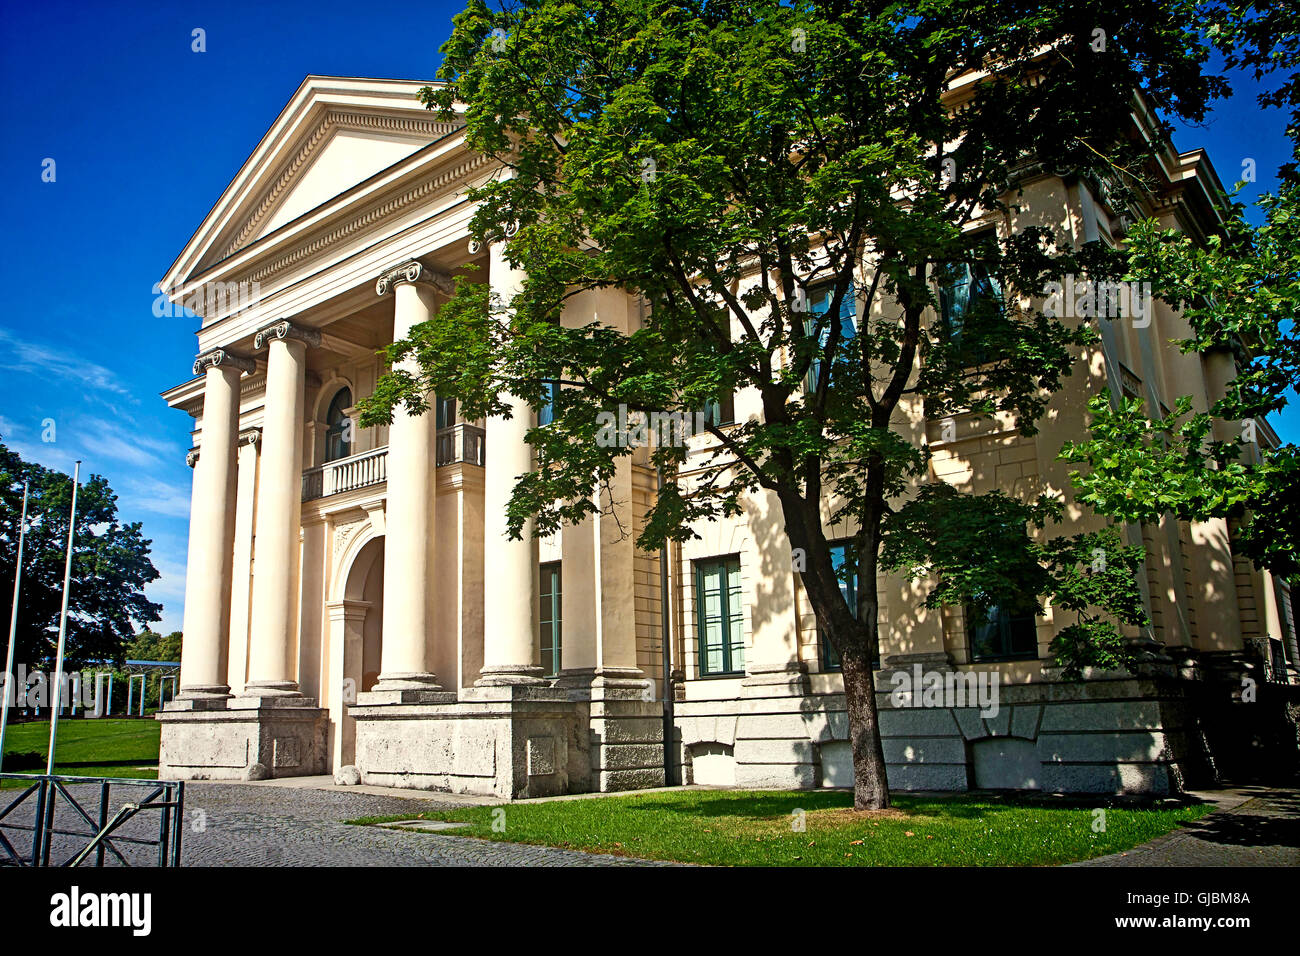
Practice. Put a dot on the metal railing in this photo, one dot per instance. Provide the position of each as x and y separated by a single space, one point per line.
63 828
355 471
461 443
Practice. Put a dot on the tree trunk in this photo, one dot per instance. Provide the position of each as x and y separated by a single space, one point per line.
870 785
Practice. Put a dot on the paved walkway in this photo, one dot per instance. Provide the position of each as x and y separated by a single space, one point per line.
1254 826
258 825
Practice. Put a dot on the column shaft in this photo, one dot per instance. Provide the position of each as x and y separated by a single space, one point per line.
279 513
212 538
510 586
410 583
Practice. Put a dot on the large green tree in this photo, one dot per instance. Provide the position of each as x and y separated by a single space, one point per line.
110 566
730 163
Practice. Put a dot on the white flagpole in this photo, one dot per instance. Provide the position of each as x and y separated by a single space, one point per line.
56 689
13 631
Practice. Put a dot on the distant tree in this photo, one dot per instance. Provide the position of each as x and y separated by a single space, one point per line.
110 566
149 645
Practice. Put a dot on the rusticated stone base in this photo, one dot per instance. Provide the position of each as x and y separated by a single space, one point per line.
509 741
242 738
625 725
1110 734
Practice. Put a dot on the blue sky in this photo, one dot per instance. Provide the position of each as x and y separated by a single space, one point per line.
145 134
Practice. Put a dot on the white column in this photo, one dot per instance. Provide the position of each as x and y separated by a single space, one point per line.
212 531
410 581
241 586
510 581
271 669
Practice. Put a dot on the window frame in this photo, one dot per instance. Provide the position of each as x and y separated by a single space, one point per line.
550 590
848 313
334 431
1007 620
829 657
729 565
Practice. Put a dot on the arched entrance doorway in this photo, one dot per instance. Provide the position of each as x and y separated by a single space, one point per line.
356 626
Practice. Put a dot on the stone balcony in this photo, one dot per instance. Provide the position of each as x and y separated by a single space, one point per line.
459 444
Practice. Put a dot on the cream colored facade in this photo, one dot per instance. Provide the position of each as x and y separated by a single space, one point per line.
352 600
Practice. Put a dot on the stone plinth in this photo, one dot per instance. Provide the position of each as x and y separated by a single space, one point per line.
242 738
625 724
509 741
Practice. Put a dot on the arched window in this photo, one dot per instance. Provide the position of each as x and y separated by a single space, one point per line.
338 432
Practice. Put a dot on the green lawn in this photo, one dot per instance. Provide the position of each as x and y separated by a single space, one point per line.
106 747
754 828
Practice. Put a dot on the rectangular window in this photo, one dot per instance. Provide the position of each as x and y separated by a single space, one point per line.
550 618
845 562
969 296
719 616
546 414
1001 634
446 413
819 301
722 412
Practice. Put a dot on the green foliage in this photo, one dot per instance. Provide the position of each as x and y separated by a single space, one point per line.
110 566
722 161
981 550
151 646
1240 293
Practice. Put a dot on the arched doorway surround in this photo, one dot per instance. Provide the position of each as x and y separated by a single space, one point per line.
356 620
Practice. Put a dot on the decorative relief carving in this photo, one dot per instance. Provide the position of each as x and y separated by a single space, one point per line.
414 271
344 531
192 457
218 357
285 329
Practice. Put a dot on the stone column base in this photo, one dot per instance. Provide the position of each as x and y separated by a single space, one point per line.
626 726
242 738
510 741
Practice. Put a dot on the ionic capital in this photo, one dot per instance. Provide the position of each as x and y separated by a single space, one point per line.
219 357
250 436
286 330
414 271
192 457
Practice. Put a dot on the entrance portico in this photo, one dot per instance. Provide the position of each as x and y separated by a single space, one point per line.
356 587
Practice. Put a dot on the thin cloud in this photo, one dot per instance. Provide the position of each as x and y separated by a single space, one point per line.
38 358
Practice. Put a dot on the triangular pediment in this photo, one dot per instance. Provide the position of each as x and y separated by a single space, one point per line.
334 135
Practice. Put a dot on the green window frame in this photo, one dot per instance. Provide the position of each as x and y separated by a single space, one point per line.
1001 634
719 616
550 624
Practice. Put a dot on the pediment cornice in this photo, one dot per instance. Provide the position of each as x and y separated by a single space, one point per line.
333 121
321 110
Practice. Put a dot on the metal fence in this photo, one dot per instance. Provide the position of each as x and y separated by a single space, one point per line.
107 821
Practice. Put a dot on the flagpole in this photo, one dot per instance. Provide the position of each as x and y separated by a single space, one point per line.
13 631
56 689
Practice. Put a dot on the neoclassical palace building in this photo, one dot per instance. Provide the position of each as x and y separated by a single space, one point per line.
353 599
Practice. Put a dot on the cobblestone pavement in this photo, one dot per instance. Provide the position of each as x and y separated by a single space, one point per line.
1262 831
283 826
